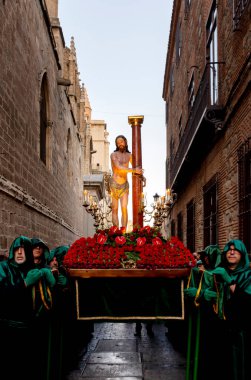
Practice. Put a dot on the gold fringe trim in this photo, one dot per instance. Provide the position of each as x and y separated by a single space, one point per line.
189 279
48 307
33 290
198 291
216 305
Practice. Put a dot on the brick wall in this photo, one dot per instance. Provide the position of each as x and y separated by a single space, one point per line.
234 92
36 199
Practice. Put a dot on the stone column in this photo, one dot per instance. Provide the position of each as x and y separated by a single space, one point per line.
137 186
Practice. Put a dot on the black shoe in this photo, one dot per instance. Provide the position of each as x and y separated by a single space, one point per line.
149 329
138 329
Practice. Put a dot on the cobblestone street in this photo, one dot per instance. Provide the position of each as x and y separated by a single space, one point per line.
114 352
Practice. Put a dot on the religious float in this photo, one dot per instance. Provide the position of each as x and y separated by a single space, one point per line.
134 275
129 275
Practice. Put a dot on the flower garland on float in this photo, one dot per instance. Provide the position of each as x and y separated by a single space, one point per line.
114 248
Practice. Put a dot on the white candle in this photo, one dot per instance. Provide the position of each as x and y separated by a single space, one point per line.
85 192
142 199
168 195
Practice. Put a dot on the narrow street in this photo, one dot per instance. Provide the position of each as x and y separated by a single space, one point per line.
114 352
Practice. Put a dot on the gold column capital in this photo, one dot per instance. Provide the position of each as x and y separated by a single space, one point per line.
135 120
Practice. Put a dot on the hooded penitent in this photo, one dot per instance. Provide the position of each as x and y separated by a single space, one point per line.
212 254
224 277
16 300
25 242
241 275
59 253
237 308
36 242
199 280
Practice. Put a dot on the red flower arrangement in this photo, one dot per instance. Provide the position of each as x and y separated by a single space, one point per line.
143 248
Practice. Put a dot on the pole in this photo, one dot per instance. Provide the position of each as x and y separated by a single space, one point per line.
189 345
197 347
137 186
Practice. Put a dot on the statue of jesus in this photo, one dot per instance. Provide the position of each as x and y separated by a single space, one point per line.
119 186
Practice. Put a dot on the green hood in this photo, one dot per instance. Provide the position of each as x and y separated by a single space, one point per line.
59 253
38 242
21 241
213 253
239 246
242 274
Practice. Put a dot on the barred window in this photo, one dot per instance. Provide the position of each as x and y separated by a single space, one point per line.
191 94
171 150
238 10
43 119
167 113
180 128
191 226
172 80
178 42
187 7
212 52
210 212
244 183
173 229
180 226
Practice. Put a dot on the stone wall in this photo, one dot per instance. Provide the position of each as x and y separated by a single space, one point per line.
36 198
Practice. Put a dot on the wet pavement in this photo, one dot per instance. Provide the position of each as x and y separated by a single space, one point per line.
115 353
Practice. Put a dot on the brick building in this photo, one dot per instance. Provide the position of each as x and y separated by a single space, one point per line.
208 121
45 135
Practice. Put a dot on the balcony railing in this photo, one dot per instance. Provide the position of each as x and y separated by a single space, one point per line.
200 110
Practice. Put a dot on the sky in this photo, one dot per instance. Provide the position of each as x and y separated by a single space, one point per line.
121 48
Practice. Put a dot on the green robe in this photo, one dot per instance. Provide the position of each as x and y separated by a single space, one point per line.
237 309
16 314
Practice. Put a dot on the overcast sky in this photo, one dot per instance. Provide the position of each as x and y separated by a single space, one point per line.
121 50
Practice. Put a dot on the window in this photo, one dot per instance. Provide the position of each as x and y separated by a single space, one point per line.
172 80
180 226
171 150
244 170
173 232
212 52
180 128
43 119
178 42
69 157
238 10
167 113
191 95
187 7
210 212
191 226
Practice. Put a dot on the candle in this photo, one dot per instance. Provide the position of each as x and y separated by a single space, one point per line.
85 192
142 199
168 195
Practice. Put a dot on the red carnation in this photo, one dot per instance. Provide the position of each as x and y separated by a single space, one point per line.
120 240
141 241
113 230
157 241
101 239
146 228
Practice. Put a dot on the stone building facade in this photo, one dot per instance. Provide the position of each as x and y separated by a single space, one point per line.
45 136
208 121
